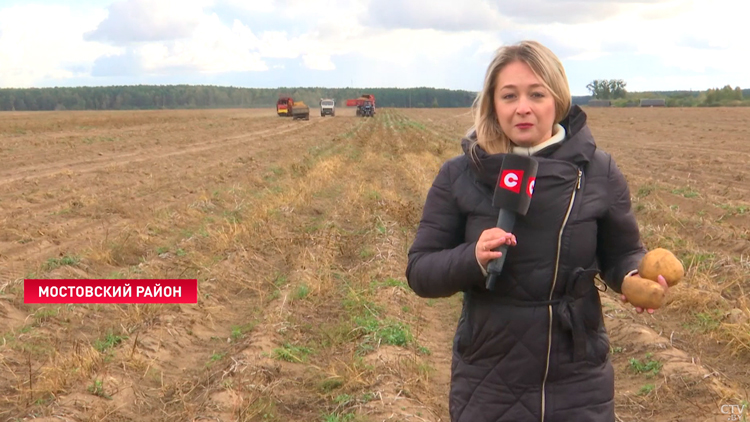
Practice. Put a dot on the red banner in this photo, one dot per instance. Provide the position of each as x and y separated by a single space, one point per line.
110 291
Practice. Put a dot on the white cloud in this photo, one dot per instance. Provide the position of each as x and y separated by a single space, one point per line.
315 10
266 6
409 40
46 42
132 21
672 38
570 11
278 45
212 48
667 10
318 62
181 35
723 26
445 15
340 28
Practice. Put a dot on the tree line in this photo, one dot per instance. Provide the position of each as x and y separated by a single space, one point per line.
615 90
144 97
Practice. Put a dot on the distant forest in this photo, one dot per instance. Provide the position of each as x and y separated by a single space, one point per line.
147 97
718 97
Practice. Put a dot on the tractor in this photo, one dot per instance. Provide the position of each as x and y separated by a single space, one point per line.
367 109
365 105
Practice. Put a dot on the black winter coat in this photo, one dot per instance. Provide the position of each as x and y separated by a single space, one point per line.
536 348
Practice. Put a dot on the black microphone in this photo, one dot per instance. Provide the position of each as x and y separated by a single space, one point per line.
515 185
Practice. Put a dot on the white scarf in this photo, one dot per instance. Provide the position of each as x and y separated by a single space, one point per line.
558 135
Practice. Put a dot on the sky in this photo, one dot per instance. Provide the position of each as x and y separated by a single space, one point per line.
650 44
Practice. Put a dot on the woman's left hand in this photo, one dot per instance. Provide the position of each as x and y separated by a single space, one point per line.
663 284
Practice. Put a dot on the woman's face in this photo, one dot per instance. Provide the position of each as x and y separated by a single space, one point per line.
524 107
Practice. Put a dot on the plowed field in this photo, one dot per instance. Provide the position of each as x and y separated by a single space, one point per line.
297 232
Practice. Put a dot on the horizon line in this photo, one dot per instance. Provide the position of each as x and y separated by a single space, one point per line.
319 87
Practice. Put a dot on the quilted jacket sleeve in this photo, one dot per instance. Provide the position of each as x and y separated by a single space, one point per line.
440 263
620 249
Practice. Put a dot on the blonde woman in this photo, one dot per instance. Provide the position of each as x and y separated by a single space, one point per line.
535 349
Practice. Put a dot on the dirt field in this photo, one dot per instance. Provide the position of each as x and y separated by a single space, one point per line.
297 232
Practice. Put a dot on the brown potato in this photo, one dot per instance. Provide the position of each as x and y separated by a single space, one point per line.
643 292
661 261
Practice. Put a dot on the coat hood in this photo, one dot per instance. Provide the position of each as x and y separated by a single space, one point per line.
577 148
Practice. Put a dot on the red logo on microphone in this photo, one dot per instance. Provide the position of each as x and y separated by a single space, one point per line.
530 186
511 180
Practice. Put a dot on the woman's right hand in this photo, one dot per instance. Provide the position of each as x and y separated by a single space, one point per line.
489 240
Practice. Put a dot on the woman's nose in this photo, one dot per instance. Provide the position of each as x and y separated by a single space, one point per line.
523 106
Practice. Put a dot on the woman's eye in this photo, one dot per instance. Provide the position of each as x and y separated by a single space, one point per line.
537 95
508 96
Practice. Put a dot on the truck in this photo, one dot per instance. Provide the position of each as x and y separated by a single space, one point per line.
327 107
365 105
300 110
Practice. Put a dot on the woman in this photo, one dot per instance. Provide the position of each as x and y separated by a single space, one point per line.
535 348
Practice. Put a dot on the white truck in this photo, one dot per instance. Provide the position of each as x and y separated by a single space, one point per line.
327 107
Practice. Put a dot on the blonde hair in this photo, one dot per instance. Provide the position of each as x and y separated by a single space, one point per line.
545 65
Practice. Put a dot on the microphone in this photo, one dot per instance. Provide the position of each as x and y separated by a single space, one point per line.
515 185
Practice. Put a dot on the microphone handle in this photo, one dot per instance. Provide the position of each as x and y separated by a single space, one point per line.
505 220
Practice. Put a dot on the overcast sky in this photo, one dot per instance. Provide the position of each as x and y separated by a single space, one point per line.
651 44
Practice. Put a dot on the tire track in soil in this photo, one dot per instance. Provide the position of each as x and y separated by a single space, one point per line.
112 161
87 166
94 229
48 145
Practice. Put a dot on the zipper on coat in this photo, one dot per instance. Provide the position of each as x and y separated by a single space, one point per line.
552 290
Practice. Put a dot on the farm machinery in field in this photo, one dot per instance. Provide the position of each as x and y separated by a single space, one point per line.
284 106
287 107
365 105
327 107
300 110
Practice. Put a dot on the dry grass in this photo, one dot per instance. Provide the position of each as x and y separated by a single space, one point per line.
711 300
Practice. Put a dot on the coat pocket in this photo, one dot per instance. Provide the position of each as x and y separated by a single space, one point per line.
464 331
584 313
592 310
597 339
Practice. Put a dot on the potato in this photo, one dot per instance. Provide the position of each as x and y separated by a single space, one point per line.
643 292
661 261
